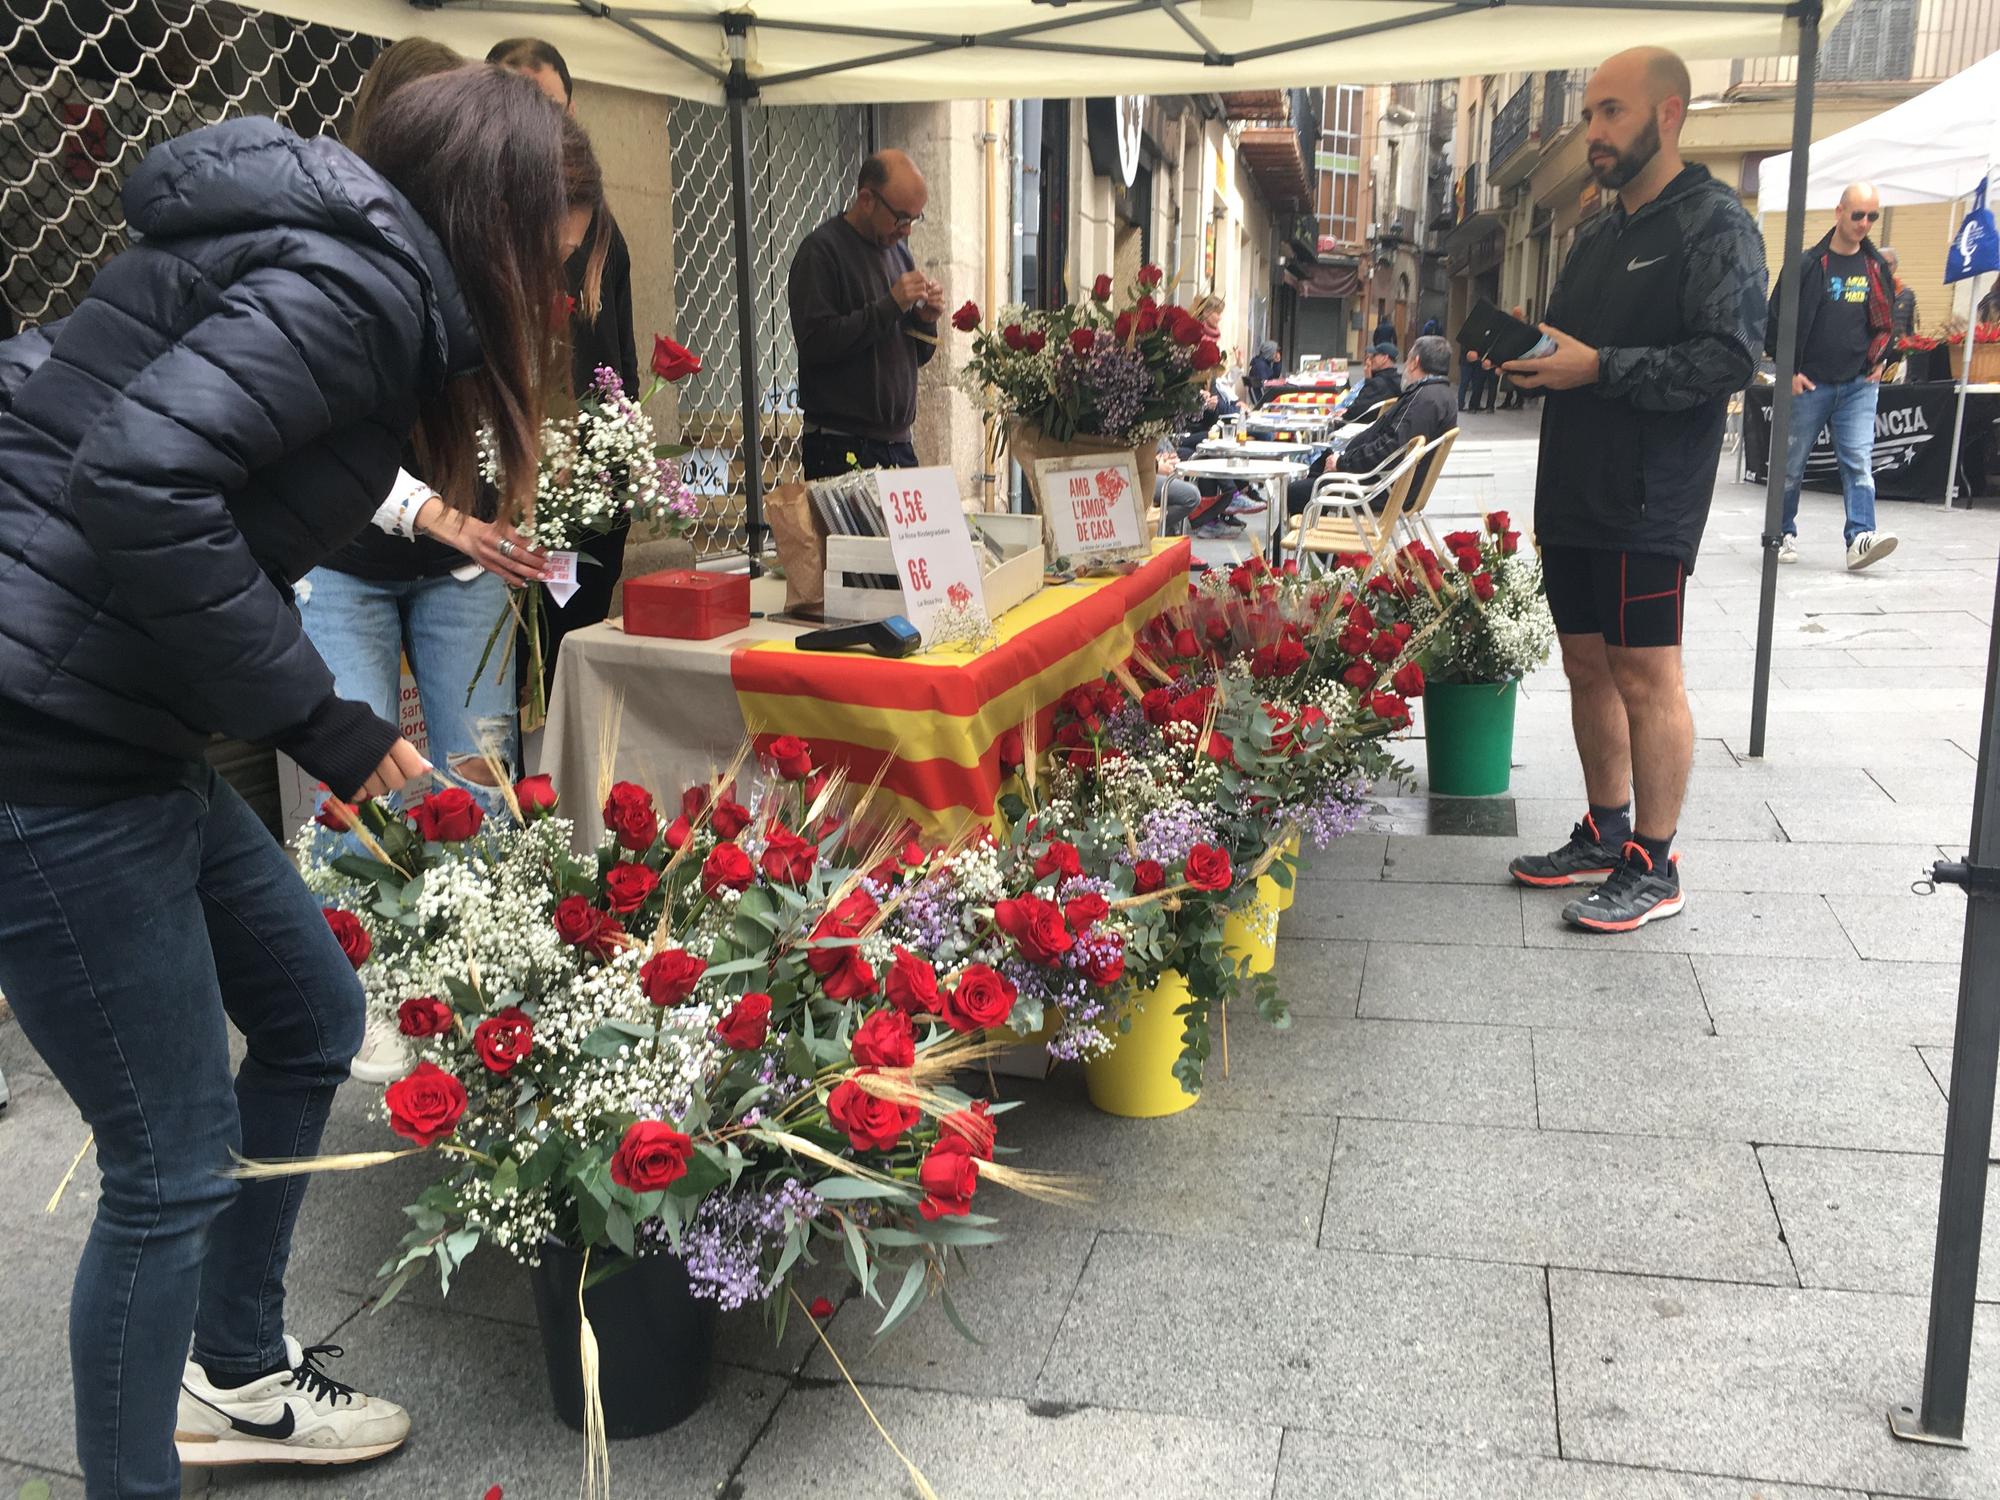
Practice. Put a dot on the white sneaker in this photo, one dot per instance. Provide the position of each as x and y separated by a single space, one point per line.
1788 549
298 1416
383 1058
1869 547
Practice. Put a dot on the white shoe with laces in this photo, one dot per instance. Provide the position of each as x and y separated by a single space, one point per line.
383 1058
300 1415
1788 549
1869 547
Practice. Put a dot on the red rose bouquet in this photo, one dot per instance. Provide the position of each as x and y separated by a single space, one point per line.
1503 629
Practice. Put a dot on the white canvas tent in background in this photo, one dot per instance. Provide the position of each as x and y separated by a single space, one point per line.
777 52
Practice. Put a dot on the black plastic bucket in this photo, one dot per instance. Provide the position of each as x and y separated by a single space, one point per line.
655 1339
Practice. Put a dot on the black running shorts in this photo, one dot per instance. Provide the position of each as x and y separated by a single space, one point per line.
1629 598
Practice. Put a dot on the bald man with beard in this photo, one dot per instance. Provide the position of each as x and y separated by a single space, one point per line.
1656 318
865 321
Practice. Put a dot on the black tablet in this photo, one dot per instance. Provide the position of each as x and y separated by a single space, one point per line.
1498 336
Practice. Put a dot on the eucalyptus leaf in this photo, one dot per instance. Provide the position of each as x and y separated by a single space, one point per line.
906 1297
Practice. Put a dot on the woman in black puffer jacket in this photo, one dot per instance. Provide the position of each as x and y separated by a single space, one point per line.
225 409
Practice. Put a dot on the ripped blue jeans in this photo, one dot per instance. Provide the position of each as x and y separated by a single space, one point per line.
361 628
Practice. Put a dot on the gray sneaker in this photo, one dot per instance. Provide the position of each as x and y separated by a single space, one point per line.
1636 893
1585 858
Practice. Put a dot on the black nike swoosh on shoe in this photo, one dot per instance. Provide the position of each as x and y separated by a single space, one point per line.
277 1432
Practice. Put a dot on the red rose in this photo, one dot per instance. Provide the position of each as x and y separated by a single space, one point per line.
871 1124
1385 646
536 796
1086 911
671 361
1011 752
1036 926
1482 585
912 986
1459 541
1121 330
1219 748
1150 275
982 999
1354 642
1185 645
1037 341
1106 964
1207 356
1149 317
336 815
1100 289
694 802
627 886
504 1039
1148 875
1157 705
448 817
1498 521
843 972
1208 868
727 865
949 1178
1082 341
912 853
1359 676
1409 680
670 976
1469 561
426 1015
577 921
350 934
1059 858
973 1126
853 980
678 833
792 756
426 1106
652 1156
966 318
1014 337
885 1040
1510 543
747 1024
1188 330
821 1308
787 859
628 813
728 817
1389 708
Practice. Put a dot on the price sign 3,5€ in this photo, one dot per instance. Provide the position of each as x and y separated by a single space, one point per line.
932 544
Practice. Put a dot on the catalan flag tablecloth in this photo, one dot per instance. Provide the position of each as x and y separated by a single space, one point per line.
931 724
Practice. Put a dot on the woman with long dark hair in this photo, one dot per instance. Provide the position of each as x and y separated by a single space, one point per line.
226 407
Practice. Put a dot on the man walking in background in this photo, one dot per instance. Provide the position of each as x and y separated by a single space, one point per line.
865 320
1906 300
1656 317
1847 314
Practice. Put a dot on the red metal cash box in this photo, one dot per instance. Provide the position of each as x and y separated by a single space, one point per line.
688 604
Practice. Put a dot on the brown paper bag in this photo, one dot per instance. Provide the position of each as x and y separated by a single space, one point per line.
801 544
1030 445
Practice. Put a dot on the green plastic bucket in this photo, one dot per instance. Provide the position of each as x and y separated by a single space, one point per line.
1469 737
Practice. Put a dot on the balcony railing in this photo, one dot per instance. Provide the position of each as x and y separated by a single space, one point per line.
1510 127
1562 102
1468 193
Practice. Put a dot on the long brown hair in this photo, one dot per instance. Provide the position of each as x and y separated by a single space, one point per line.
397 64
493 166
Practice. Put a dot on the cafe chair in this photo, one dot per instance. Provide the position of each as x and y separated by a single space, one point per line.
1340 516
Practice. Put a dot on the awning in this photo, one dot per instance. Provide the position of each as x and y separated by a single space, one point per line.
885 51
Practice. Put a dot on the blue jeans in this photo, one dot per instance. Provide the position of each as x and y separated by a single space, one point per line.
132 936
1847 410
362 626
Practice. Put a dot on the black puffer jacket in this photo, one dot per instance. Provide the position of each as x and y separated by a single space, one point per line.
224 410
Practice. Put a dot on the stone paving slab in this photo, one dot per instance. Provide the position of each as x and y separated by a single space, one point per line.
1160 1176
1548 820
1945 783
1541 1197
1932 750
1438 914
1923 929
1357 856
1619 990
1318 977
1791 1090
1322 1466
1823 869
1889 1002
1892 823
1451 1350
820 1445
1791 1385
1473 1075
1011 1295
1864 1221
1791 923
40 1134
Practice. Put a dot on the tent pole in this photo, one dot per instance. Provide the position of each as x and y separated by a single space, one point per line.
742 90
1808 13
1958 422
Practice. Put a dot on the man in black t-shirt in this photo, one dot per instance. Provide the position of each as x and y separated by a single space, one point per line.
1846 316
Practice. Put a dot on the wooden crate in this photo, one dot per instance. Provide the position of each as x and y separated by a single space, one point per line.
1013 582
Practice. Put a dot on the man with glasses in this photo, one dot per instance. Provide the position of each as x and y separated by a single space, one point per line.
865 320
1847 315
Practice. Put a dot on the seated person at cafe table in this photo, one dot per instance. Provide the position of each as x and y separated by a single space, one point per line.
1383 368
865 320
1426 409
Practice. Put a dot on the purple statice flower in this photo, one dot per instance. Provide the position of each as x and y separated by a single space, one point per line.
1168 833
607 384
726 1244
928 920
1337 810
1119 378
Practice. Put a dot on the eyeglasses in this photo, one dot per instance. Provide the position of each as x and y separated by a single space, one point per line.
1864 218
903 220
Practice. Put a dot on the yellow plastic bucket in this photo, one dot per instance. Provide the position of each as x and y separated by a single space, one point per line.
1289 857
1250 933
1135 1079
